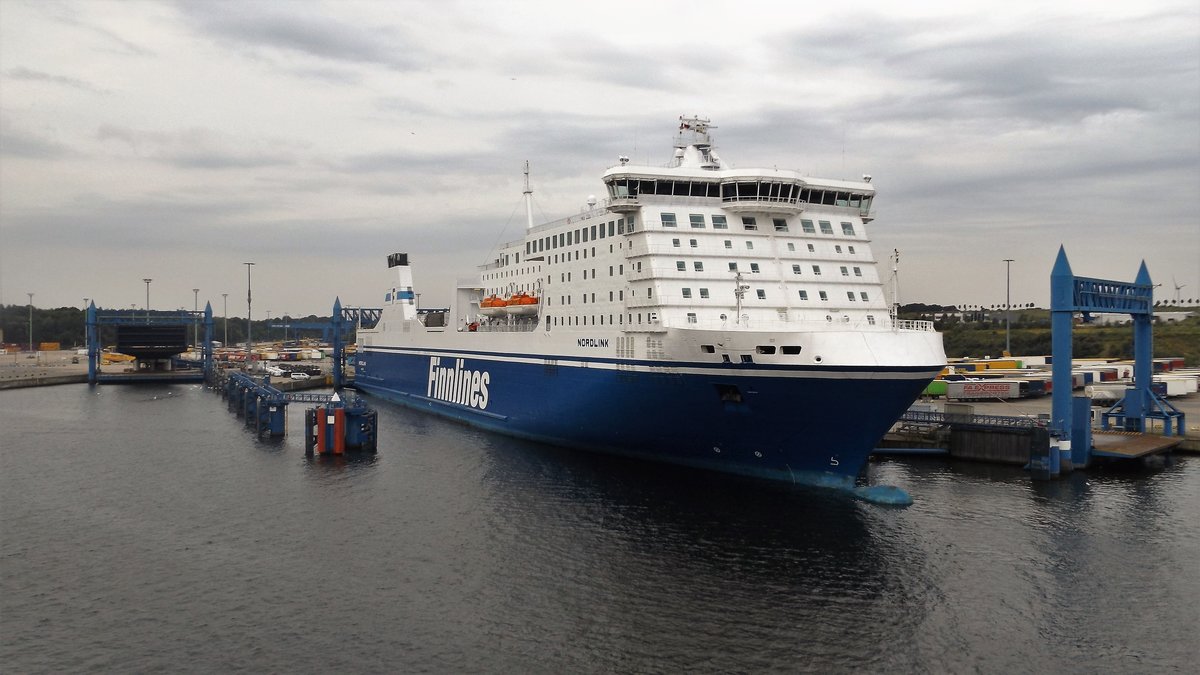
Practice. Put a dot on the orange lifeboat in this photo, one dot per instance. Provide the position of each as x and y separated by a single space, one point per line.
493 305
522 304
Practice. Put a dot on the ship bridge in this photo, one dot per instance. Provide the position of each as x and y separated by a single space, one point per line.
696 171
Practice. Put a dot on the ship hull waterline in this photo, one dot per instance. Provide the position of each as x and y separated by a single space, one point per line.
810 426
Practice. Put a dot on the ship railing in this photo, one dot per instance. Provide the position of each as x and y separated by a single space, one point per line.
752 323
910 324
520 327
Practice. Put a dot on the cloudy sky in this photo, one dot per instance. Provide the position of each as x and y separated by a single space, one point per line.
176 140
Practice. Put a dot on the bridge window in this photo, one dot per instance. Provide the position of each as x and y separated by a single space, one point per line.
696 220
780 224
826 227
807 226
848 229
719 223
749 223
668 220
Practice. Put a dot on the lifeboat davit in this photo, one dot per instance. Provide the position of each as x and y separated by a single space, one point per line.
493 305
522 304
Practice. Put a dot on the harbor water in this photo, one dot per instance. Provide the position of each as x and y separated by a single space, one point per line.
145 529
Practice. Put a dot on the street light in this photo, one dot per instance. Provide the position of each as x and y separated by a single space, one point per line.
1008 306
147 299
225 317
30 321
85 301
248 353
195 324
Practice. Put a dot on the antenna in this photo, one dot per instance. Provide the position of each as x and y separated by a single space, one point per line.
528 200
895 287
739 290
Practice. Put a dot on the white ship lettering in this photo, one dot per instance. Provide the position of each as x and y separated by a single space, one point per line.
458 384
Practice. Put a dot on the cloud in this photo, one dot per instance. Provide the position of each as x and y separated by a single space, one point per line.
16 142
293 28
22 73
199 148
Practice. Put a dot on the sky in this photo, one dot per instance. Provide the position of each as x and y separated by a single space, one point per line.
177 140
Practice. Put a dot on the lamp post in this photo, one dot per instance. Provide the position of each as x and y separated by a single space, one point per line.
248 353
30 321
1008 306
225 317
147 299
85 301
195 324
285 321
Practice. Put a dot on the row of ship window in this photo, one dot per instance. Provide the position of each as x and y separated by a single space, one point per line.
681 266
578 236
652 317
693 243
760 293
719 222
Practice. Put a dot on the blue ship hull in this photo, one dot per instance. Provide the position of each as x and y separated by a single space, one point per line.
793 423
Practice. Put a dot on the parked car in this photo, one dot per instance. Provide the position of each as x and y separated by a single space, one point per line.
300 376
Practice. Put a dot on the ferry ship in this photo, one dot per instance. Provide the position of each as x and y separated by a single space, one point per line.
704 315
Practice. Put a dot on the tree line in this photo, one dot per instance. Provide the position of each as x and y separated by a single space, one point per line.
66 326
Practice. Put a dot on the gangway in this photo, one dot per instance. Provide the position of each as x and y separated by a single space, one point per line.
149 337
1071 417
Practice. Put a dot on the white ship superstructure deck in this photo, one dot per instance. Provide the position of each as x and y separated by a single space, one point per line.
671 246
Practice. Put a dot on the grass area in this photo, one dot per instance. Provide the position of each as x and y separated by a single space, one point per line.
1031 336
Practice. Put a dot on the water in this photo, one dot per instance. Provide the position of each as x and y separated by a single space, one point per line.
144 529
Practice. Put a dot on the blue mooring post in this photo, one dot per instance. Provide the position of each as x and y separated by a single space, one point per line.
339 346
1143 363
1062 309
208 348
93 343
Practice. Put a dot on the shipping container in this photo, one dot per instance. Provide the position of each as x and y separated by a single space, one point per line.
975 390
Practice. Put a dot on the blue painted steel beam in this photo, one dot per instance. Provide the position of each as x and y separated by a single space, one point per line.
1062 309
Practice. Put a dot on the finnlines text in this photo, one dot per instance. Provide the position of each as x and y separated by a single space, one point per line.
593 342
457 384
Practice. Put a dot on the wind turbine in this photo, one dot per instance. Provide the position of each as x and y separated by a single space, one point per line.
1177 287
